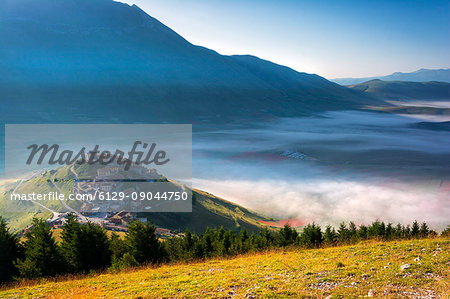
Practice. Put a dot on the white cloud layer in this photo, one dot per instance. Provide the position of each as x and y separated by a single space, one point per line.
333 201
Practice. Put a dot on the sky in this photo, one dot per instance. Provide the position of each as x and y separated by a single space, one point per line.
331 38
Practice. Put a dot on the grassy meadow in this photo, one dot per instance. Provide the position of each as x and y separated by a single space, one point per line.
366 269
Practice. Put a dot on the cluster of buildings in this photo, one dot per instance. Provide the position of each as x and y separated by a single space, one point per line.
120 220
113 222
110 179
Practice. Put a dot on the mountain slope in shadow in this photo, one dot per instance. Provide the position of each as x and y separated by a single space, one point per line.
105 61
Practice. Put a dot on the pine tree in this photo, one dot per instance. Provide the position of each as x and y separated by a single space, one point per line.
264 240
344 235
207 240
143 244
220 234
85 247
175 250
398 231
330 236
407 232
117 246
362 232
286 236
10 251
128 261
93 248
42 256
199 251
311 236
218 244
243 241
377 230
227 242
424 230
69 247
415 229
188 245
352 230
389 234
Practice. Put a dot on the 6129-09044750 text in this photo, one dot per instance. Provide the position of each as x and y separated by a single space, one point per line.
103 196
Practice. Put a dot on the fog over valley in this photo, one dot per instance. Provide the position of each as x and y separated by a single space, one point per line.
330 167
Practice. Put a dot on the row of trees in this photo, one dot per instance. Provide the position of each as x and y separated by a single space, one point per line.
222 243
87 247
83 248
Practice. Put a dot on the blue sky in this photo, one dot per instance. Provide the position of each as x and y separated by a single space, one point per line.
331 38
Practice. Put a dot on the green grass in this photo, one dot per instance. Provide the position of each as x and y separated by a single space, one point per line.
21 215
348 271
207 209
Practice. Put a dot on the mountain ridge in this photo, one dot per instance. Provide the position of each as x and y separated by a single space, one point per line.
115 59
405 90
421 75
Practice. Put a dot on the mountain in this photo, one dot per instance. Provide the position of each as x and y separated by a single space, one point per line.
210 211
422 75
207 209
404 90
105 61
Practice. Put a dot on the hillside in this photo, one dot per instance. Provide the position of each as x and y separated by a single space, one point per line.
422 75
400 90
366 269
105 61
207 209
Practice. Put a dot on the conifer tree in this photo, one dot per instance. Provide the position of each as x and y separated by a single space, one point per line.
10 251
142 243
286 236
42 257
330 236
311 236
362 232
424 230
69 246
389 233
343 233
85 247
352 231
415 229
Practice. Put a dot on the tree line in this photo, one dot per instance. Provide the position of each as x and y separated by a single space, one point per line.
87 247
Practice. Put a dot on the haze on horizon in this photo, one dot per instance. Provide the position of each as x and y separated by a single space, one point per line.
329 38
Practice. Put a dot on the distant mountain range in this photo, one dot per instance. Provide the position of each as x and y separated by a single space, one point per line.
422 75
404 90
105 61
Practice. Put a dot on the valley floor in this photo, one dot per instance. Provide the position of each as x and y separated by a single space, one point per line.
414 268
